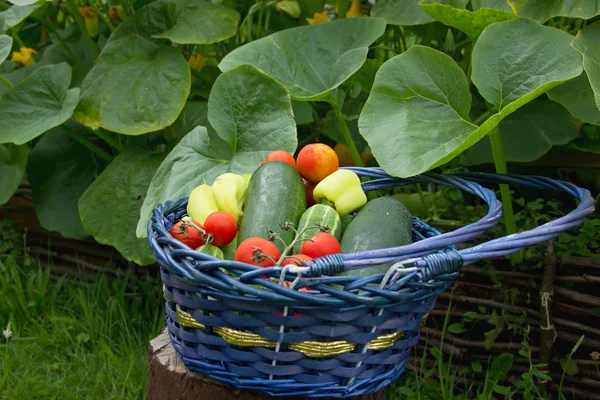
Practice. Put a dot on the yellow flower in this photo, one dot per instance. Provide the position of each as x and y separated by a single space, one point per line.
355 10
197 62
318 18
24 56
88 12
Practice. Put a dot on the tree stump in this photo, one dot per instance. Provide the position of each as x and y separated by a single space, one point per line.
168 379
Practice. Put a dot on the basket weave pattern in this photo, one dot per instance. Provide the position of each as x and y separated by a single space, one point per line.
322 335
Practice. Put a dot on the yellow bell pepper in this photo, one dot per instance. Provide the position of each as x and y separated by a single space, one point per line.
230 193
342 191
201 203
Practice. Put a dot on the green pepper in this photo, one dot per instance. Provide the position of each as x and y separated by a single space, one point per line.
230 193
201 203
341 190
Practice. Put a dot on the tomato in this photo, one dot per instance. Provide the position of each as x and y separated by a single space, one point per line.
187 233
316 161
253 251
344 155
282 156
321 244
296 259
309 188
222 227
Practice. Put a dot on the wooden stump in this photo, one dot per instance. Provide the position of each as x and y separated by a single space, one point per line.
168 379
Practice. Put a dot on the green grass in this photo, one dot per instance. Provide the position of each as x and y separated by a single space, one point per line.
74 340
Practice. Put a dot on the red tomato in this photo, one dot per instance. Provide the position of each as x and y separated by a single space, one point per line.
222 227
317 161
321 244
309 188
253 251
187 233
282 156
296 259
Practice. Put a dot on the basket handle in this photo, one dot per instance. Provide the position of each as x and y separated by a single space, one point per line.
427 266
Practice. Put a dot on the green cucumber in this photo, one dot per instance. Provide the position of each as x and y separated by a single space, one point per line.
383 222
317 216
275 196
211 251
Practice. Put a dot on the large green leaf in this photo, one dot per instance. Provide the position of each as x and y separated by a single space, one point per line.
59 170
201 22
38 103
13 160
401 12
518 60
498 4
251 115
5 46
543 10
587 42
471 23
528 133
136 87
15 15
578 97
311 60
418 111
110 207
182 21
195 113
416 117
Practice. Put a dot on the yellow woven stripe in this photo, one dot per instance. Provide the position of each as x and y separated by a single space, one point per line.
385 341
244 339
309 348
186 319
165 292
322 349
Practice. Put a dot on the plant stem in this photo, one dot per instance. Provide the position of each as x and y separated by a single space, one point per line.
6 82
261 14
107 137
85 142
62 41
15 36
79 20
347 135
105 19
267 21
482 117
342 8
500 163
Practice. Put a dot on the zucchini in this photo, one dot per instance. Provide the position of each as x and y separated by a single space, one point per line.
275 195
316 216
383 222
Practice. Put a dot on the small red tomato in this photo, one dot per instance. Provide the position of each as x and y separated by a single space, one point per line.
222 227
257 251
187 233
321 244
282 156
317 161
309 188
296 259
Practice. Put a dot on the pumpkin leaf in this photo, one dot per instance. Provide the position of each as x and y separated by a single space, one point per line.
311 60
250 115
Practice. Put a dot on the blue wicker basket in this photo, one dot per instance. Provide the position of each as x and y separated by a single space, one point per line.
323 335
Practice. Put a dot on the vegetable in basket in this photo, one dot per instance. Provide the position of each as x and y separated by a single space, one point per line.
384 222
201 203
341 190
275 201
230 192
